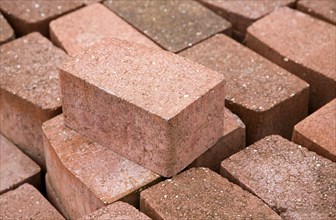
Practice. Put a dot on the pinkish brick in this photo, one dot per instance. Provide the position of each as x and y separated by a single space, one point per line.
86 176
6 31
317 132
299 47
322 9
150 106
86 26
29 91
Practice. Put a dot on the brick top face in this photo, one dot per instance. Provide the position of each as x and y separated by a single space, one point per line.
252 81
28 68
324 9
158 81
175 25
6 31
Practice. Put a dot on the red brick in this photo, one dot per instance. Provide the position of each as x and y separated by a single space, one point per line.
199 193
268 99
26 202
30 16
299 47
86 26
16 168
6 31
86 176
29 91
150 106
322 9
295 182
317 132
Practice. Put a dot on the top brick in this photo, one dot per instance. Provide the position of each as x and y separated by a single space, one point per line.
322 9
6 31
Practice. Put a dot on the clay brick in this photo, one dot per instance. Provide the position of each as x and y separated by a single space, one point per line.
6 31
295 182
233 140
322 9
199 193
30 92
86 26
150 106
299 47
26 202
317 132
16 168
30 16
174 25
117 211
86 176
268 99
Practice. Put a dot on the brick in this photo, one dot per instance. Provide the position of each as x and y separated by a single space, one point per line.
30 16
317 131
199 193
91 175
268 99
295 182
233 140
150 106
29 91
323 9
86 26
299 47
16 168
26 202
117 211
174 25
242 14
6 31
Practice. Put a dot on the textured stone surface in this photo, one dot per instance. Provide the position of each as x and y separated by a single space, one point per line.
30 16
29 91
199 193
117 211
92 176
268 99
15 167
322 9
151 106
295 182
6 31
86 26
26 202
174 25
294 41
317 132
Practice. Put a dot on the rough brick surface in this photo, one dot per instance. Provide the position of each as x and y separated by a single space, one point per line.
295 182
268 99
175 25
15 167
26 202
299 47
199 193
91 175
317 132
6 31
322 9
30 16
86 26
151 106
29 91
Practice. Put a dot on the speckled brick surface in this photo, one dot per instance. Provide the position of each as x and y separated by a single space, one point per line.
6 31
322 9
299 47
295 182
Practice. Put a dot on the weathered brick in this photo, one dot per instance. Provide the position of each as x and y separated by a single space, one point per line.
295 182
322 9
150 106
86 176
317 132
6 31
30 16
174 25
29 91
86 26
199 193
268 99
293 40
26 202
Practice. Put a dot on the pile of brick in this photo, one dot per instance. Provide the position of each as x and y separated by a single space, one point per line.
168 109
